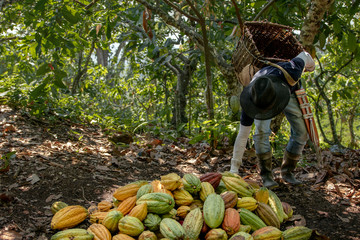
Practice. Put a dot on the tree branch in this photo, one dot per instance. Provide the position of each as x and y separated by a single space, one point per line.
266 7
237 11
91 4
192 18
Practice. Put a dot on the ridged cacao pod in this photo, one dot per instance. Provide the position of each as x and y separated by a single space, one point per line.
171 214
230 199
147 235
214 210
122 236
111 220
249 218
262 195
104 206
267 233
231 222
197 203
248 203
130 226
238 185
234 103
97 217
74 233
266 214
212 177
241 236
139 211
159 203
157 186
56 206
255 185
182 211
152 222
171 181
127 205
287 210
147 188
191 183
68 217
171 229
244 228
206 190
216 234
99 231
192 224
275 204
182 197
128 190
297 233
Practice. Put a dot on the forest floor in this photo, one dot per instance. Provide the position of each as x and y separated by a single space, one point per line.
78 164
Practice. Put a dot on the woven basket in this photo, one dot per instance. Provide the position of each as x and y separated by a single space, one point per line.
264 41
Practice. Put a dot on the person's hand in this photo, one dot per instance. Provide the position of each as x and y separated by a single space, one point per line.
309 62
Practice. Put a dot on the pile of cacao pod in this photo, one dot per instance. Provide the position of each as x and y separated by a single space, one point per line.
212 206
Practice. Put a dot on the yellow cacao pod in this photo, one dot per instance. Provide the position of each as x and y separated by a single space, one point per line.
99 231
122 236
97 217
182 197
139 211
248 203
147 235
128 190
104 206
68 217
127 205
171 181
267 233
182 211
206 190
262 195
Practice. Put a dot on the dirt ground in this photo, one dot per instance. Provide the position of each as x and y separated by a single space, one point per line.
78 164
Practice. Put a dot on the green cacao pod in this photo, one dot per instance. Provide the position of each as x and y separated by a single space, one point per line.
276 205
152 222
287 210
147 188
297 233
56 206
111 220
159 203
131 226
193 224
234 103
172 229
214 210
249 218
267 233
74 233
191 183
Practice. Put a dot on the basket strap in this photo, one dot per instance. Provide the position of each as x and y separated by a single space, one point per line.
289 79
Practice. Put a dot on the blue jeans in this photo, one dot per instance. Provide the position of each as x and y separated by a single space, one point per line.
299 135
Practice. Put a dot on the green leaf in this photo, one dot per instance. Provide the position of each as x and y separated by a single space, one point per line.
44 68
40 5
108 28
69 16
322 40
334 96
337 27
352 42
38 90
197 139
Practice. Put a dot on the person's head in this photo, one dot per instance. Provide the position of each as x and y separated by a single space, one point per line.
265 97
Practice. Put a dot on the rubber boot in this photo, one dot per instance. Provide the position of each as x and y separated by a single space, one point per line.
265 163
287 167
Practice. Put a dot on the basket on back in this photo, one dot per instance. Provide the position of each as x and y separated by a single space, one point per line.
264 41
